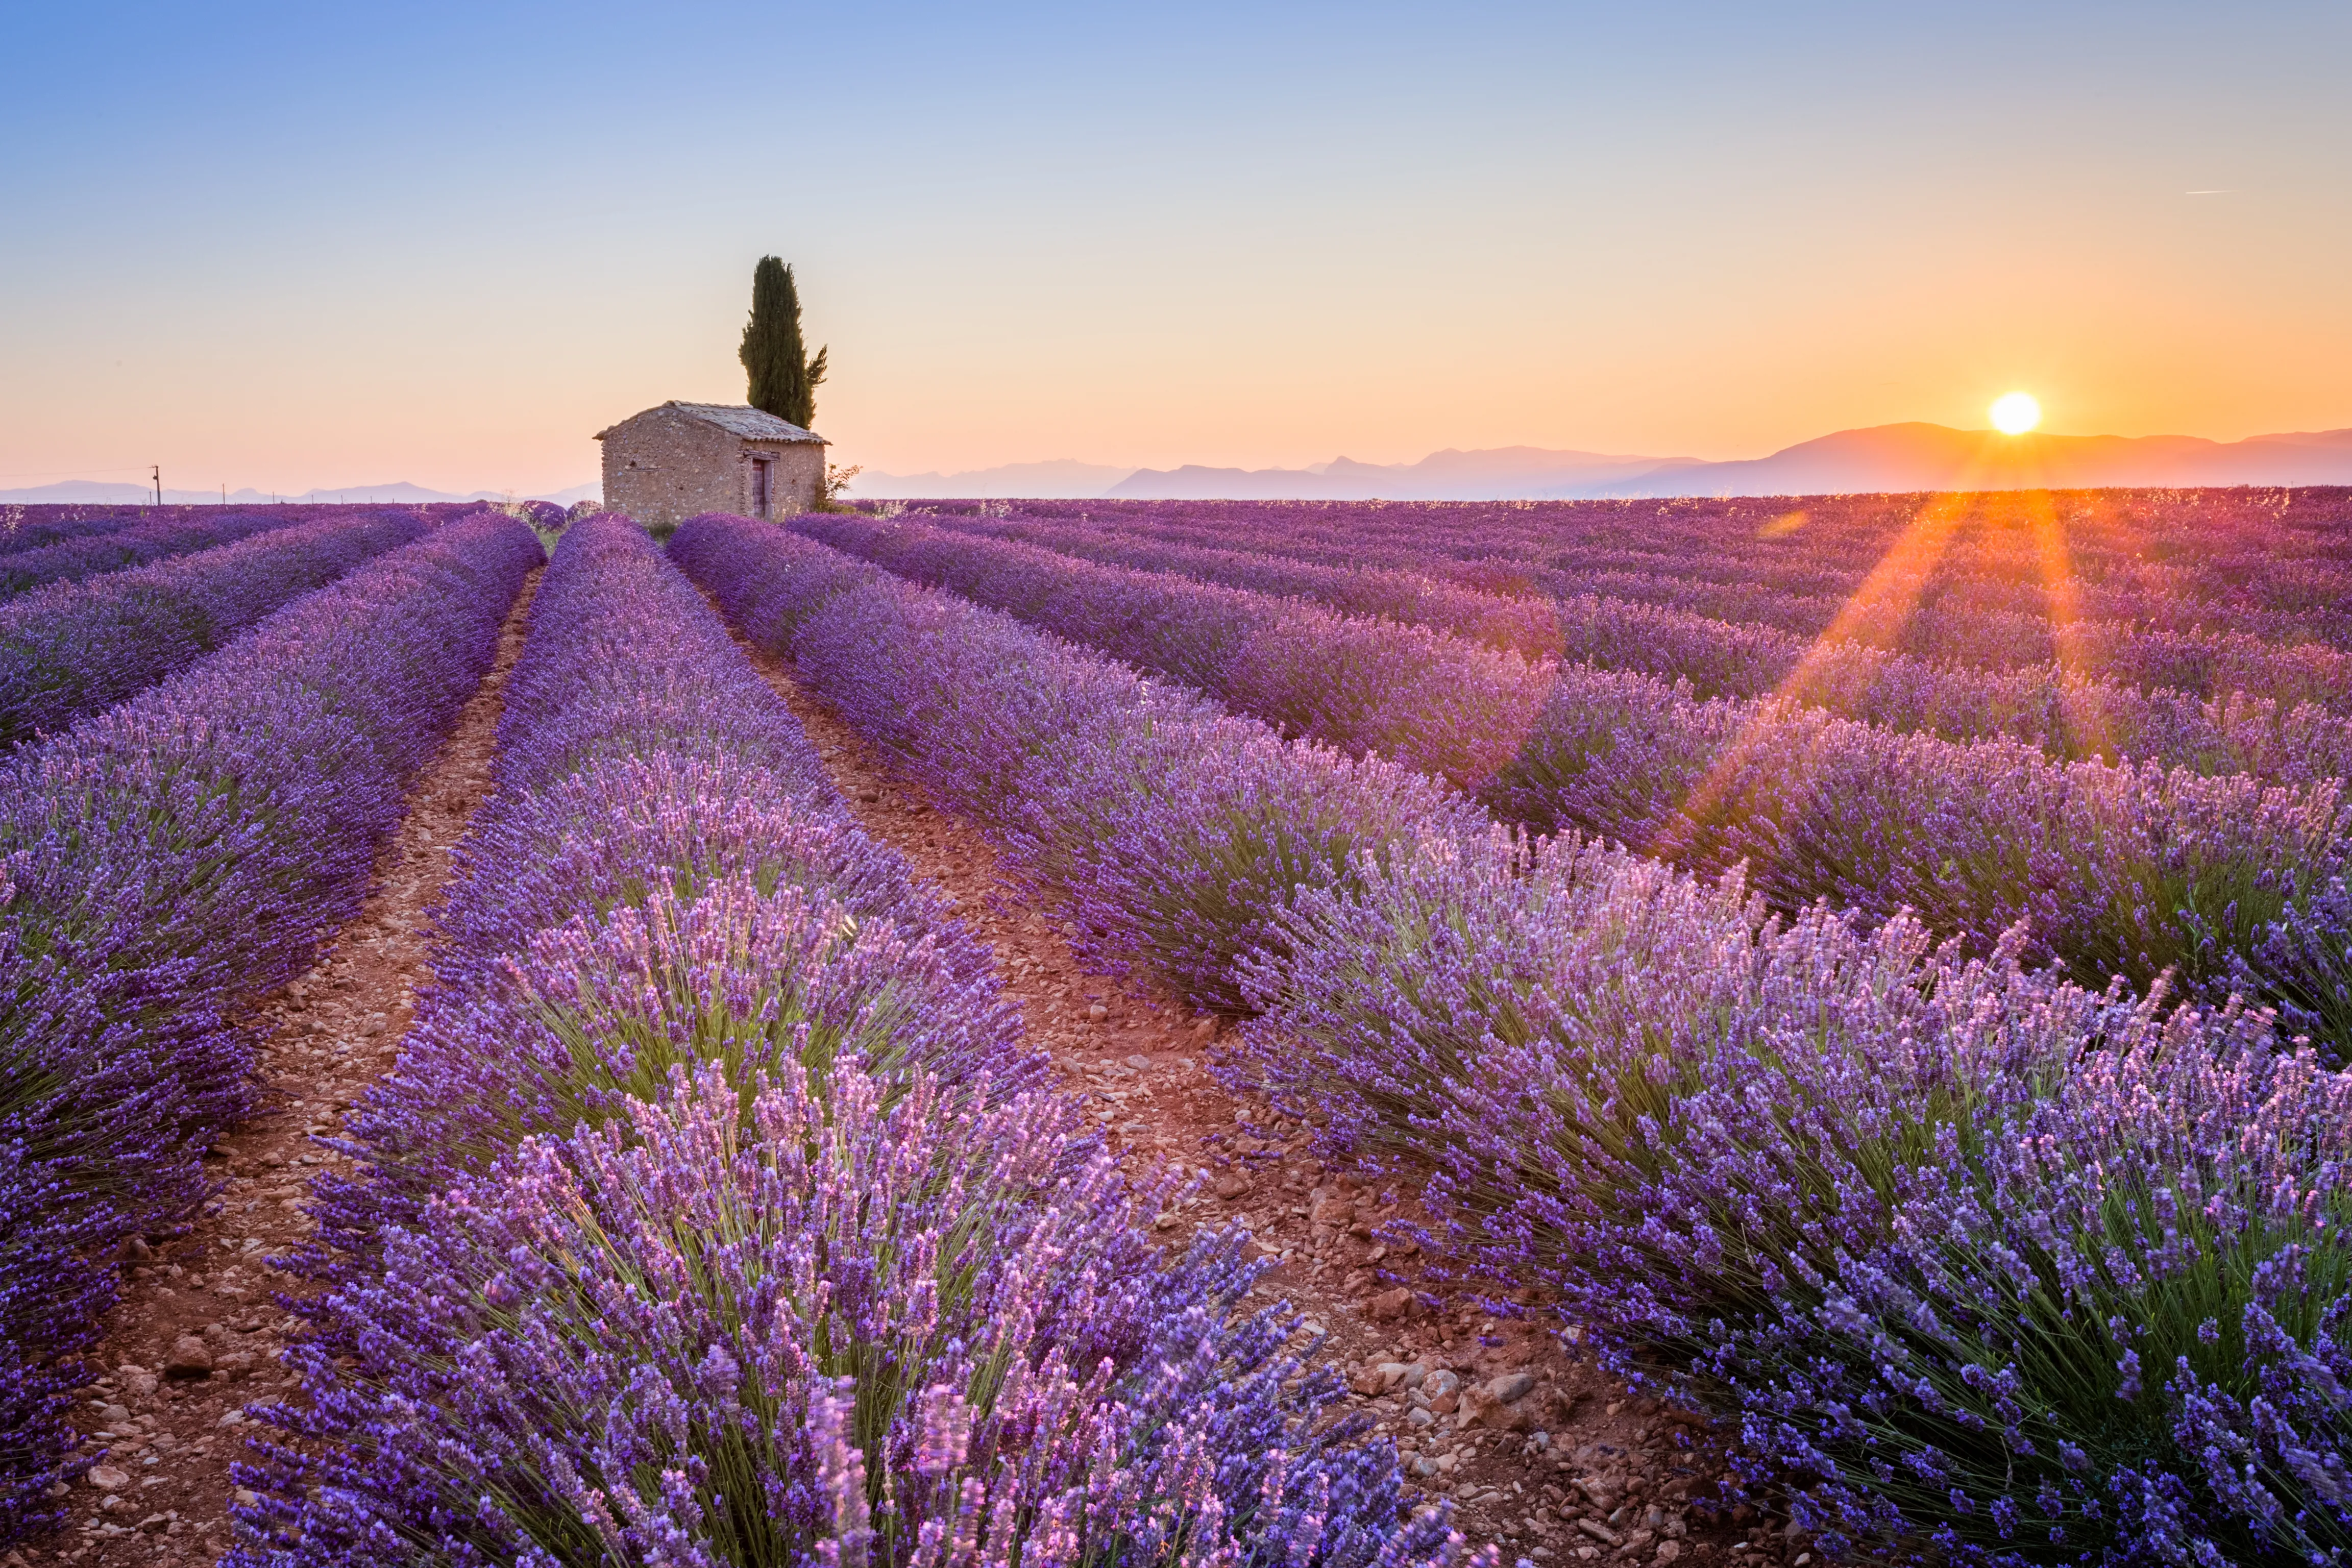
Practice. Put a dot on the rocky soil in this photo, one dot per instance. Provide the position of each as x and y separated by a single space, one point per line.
194 1338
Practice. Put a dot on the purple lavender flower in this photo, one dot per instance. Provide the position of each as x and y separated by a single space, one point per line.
2119 870
792 1326
80 646
1167 829
2213 702
590 1015
37 526
169 531
1916 1222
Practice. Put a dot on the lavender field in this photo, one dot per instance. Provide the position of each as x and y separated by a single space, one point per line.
1922 1054
1868 978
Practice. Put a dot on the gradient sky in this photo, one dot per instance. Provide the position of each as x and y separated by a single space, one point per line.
285 246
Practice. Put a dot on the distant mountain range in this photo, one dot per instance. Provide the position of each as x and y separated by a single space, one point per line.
99 492
1497 473
1500 473
1061 479
1935 457
1913 456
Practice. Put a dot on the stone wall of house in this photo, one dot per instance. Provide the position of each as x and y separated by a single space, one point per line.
663 467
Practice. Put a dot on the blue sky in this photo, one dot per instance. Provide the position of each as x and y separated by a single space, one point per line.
302 245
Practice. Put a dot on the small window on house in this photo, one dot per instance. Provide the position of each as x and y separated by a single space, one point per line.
760 467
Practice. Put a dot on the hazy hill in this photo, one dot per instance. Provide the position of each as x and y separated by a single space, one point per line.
1063 479
1913 456
1495 474
1918 456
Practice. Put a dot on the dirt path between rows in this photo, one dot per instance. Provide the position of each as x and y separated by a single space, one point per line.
196 1334
1545 1454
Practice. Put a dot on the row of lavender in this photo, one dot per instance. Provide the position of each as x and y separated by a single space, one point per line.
2104 631
179 531
76 647
2129 871
2261 561
38 525
2190 541
161 865
1990 1267
2113 688
2272 713
716 1213
1929 609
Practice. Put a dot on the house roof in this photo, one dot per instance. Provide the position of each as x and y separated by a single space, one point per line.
752 424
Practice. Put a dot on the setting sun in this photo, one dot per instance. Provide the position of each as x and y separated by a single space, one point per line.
2015 413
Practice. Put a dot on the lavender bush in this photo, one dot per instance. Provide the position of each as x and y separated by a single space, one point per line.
1434 702
2272 723
39 525
1906 572
2128 871
625 657
1986 1261
594 1014
51 1295
786 1326
173 530
74 648
663 868
2122 870
1522 625
2100 689
1167 830
165 861
1984 1264
620 830
2302 962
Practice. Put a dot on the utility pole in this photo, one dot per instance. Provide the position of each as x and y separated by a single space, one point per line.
157 472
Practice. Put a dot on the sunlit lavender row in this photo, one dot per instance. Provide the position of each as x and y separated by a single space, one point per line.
1988 1265
2226 551
2260 559
162 864
2228 881
717 1213
2109 689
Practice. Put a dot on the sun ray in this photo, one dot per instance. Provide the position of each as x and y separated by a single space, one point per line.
2089 729
1885 600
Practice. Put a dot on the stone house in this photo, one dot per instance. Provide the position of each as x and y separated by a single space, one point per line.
668 463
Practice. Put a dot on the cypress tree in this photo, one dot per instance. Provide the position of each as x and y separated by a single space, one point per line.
784 379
